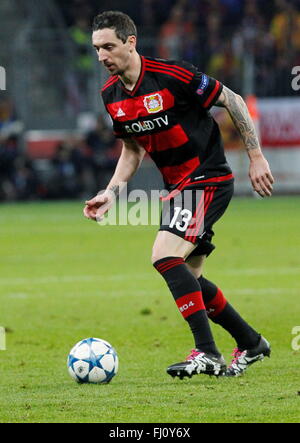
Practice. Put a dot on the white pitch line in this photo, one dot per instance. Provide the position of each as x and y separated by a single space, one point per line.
260 291
73 278
144 276
156 293
262 271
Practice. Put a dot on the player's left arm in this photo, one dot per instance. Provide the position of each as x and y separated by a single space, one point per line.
259 172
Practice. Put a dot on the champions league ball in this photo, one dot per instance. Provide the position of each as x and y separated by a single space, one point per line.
93 361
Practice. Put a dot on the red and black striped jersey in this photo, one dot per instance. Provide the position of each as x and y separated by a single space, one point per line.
167 113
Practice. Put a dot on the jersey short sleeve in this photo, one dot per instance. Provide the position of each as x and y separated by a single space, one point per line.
203 89
118 129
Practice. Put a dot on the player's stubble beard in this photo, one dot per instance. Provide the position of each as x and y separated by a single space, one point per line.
121 73
117 71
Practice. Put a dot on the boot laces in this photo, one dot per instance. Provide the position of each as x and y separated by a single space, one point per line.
236 355
194 353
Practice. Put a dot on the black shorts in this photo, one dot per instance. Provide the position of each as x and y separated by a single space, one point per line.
191 214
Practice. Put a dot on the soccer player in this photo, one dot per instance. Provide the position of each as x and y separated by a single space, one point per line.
162 107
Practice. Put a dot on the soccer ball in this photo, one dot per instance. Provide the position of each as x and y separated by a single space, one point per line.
93 361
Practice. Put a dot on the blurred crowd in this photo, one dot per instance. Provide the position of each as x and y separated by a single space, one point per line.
16 172
213 34
80 166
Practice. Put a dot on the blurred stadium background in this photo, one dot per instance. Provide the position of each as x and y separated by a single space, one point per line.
55 139
63 280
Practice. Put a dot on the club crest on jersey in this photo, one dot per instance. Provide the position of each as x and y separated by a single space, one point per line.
153 103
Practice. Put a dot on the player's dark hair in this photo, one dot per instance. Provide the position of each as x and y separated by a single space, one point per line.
122 24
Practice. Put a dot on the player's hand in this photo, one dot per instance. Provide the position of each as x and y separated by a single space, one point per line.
261 176
98 206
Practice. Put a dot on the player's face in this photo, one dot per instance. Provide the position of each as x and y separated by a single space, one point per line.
112 52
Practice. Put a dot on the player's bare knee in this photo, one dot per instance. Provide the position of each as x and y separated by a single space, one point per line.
160 251
160 254
170 245
155 256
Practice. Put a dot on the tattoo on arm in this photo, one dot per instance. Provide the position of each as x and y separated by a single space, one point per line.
240 116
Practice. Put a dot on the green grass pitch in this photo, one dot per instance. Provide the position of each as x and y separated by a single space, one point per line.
64 278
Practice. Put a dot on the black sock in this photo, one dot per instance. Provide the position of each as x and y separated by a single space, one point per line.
222 313
186 291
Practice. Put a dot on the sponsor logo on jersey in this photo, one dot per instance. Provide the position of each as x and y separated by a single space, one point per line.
147 125
203 85
154 103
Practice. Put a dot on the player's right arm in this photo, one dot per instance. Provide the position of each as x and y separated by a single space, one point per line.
259 172
130 160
